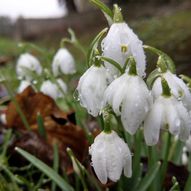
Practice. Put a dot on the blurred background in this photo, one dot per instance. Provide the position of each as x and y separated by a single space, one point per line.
165 24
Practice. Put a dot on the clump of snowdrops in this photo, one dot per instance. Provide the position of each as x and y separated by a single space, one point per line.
141 115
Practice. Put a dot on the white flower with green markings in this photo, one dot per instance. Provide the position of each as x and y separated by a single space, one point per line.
179 89
120 43
130 98
167 112
110 156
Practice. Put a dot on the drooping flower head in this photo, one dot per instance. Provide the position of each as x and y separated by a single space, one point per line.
28 62
63 62
91 89
120 43
110 156
168 112
54 90
129 97
178 87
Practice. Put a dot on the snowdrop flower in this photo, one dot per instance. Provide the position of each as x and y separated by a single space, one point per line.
63 62
110 156
28 62
120 43
178 87
23 85
129 97
51 89
167 111
91 89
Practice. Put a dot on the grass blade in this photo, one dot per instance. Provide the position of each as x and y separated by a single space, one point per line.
46 170
149 177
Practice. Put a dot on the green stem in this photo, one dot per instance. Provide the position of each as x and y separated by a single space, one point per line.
164 166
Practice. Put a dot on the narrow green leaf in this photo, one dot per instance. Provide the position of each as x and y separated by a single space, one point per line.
55 164
149 177
188 183
94 46
46 170
105 9
41 128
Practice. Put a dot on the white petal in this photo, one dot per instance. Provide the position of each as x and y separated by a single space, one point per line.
135 105
173 120
91 89
114 158
185 122
99 161
153 123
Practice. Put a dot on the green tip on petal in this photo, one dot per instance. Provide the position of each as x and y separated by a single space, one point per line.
118 17
165 88
132 67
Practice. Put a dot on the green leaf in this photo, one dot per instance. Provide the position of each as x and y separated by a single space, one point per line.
55 164
40 122
106 10
149 177
46 170
188 183
94 46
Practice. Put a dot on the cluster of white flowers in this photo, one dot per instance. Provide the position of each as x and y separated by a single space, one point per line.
166 105
28 66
